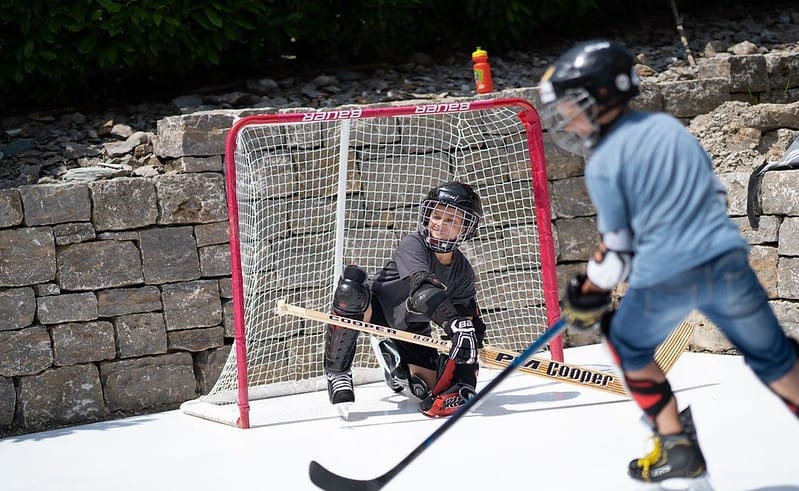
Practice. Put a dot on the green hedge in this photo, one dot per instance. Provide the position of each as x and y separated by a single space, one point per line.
68 52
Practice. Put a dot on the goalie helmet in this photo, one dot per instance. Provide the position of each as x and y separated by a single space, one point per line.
450 200
590 79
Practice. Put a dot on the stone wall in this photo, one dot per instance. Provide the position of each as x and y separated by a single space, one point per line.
115 294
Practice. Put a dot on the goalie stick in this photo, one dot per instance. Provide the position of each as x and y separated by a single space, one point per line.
327 480
666 355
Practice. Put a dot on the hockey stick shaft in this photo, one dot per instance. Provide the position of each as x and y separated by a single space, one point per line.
540 367
327 480
561 372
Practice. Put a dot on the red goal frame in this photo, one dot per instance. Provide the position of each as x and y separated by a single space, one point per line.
528 116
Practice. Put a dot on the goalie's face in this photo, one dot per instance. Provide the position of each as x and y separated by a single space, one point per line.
445 226
446 222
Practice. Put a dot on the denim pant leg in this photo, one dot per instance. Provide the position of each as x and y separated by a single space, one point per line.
647 315
738 305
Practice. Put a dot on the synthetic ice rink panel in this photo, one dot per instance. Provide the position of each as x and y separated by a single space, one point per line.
529 434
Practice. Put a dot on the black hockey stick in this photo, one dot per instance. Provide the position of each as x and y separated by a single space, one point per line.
330 481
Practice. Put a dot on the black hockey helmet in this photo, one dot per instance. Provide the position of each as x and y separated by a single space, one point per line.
455 195
591 78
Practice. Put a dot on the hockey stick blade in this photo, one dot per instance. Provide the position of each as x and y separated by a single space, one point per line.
330 481
325 479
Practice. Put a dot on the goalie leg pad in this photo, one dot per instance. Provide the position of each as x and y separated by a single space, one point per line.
340 344
651 396
351 299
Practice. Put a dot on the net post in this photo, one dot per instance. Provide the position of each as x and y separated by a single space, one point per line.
532 125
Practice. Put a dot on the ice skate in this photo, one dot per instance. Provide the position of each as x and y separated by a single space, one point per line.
675 463
341 392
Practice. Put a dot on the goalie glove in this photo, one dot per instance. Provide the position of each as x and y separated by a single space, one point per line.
583 310
464 340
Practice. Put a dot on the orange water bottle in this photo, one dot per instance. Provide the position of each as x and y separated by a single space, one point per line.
482 72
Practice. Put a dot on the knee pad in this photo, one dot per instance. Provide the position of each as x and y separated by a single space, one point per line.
352 295
650 396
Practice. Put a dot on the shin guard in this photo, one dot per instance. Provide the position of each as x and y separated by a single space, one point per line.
340 345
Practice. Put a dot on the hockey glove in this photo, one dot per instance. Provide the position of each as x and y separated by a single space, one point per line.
464 340
583 310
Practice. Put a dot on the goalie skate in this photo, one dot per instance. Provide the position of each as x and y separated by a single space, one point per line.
341 392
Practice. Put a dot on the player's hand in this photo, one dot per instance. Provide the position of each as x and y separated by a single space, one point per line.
580 309
464 341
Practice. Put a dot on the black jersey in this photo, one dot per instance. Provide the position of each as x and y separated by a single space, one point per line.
391 284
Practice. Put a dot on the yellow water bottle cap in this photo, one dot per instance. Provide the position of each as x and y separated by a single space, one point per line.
479 52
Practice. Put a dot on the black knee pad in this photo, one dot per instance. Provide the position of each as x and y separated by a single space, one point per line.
352 295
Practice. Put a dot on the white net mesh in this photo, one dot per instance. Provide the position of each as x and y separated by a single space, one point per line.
313 197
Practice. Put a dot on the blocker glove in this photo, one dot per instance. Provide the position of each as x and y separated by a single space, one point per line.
464 341
583 310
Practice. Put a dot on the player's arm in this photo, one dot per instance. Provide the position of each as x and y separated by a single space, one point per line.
587 296
427 296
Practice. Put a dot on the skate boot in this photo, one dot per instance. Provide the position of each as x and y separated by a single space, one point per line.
394 374
339 387
675 460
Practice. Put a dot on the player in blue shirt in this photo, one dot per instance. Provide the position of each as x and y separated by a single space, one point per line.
662 218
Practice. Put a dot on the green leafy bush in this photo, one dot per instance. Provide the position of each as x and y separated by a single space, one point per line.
52 49
74 51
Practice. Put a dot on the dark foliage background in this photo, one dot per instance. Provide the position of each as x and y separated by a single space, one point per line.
77 52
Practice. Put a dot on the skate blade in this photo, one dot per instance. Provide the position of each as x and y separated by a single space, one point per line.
701 483
344 410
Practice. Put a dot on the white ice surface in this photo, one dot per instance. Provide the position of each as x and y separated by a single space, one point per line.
529 434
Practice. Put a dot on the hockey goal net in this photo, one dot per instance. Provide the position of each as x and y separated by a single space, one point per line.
310 192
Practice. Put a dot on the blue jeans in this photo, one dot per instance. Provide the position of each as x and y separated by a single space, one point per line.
726 290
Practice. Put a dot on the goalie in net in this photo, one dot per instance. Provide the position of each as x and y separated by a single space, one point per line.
427 279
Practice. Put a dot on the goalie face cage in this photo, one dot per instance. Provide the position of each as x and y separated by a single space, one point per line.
310 192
